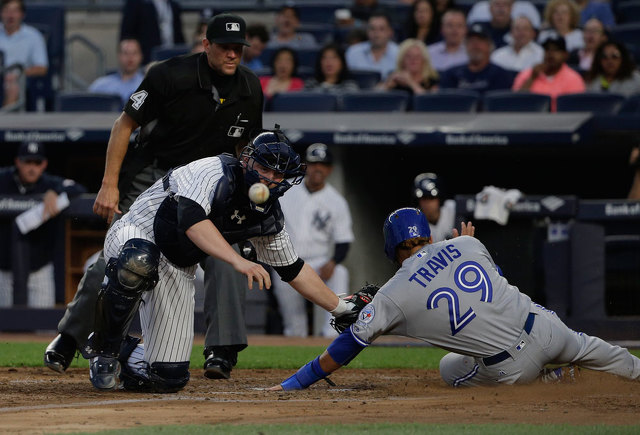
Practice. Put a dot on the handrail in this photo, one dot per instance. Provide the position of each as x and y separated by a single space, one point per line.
72 80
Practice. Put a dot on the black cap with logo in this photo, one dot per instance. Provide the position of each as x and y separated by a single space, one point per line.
31 150
227 29
319 153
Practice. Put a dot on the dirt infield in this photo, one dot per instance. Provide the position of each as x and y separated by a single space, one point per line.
37 400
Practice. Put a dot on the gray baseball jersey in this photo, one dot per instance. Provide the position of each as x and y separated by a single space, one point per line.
166 313
451 295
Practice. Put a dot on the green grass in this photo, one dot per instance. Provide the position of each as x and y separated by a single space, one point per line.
262 357
256 357
378 428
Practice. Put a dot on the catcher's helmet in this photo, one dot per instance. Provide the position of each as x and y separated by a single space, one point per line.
403 224
319 153
271 149
427 185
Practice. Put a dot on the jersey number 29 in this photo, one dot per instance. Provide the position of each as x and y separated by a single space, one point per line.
470 277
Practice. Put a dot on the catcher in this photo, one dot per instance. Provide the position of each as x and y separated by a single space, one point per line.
451 294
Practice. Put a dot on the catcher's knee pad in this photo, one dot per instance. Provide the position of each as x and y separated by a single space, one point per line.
135 270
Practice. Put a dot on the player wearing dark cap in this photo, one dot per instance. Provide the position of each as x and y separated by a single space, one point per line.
188 107
440 212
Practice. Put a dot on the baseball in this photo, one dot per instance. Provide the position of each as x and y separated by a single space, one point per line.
259 193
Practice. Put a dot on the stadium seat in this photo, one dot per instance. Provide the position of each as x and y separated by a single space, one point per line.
317 13
631 105
87 102
50 21
602 103
164 53
508 101
322 33
365 79
306 57
447 100
303 102
628 12
374 101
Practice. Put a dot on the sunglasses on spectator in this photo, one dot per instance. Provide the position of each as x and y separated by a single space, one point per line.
611 56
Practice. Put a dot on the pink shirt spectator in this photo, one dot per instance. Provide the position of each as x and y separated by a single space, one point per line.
566 81
296 84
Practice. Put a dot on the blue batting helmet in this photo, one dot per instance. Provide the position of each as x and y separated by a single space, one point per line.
403 224
271 149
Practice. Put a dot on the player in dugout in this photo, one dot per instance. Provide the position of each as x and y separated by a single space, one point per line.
195 210
451 294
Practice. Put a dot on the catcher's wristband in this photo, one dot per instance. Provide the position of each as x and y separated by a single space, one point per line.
308 374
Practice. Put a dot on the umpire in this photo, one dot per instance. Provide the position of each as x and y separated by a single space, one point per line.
187 107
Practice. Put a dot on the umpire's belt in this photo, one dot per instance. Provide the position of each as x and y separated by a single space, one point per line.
499 357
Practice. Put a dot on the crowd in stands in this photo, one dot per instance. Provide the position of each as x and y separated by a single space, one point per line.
417 46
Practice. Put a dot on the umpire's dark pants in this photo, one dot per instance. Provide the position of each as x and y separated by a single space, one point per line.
224 288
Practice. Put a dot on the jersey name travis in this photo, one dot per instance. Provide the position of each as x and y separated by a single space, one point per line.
434 264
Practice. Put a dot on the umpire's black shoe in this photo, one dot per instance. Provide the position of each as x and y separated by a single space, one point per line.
219 360
60 353
104 372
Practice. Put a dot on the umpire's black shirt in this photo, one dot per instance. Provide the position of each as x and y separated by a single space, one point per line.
199 113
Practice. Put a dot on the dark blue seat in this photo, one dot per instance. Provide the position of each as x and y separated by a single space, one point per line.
303 102
508 101
164 53
317 13
306 57
600 102
447 100
631 105
628 34
50 21
87 102
365 79
628 12
374 101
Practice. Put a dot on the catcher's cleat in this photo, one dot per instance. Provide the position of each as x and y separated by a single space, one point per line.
60 352
219 362
104 373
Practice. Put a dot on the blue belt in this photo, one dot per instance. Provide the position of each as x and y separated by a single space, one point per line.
499 357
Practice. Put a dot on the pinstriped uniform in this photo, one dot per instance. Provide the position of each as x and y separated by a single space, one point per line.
166 312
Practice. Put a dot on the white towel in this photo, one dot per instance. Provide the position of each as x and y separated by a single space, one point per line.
495 203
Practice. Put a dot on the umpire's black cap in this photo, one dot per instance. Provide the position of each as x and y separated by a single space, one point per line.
227 29
319 153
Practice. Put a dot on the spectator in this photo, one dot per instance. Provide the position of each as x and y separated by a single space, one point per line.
23 46
379 52
258 36
440 212
500 23
286 31
154 23
450 51
318 220
600 10
562 17
331 73
200 32
553 76
613 70
28 177
284 65
422 22
593 35
126 80
479 74
480 12
523 51
414 72
361 11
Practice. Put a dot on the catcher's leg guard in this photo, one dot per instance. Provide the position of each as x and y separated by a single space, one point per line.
133 272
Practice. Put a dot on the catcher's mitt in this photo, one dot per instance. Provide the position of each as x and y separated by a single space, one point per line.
359 300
